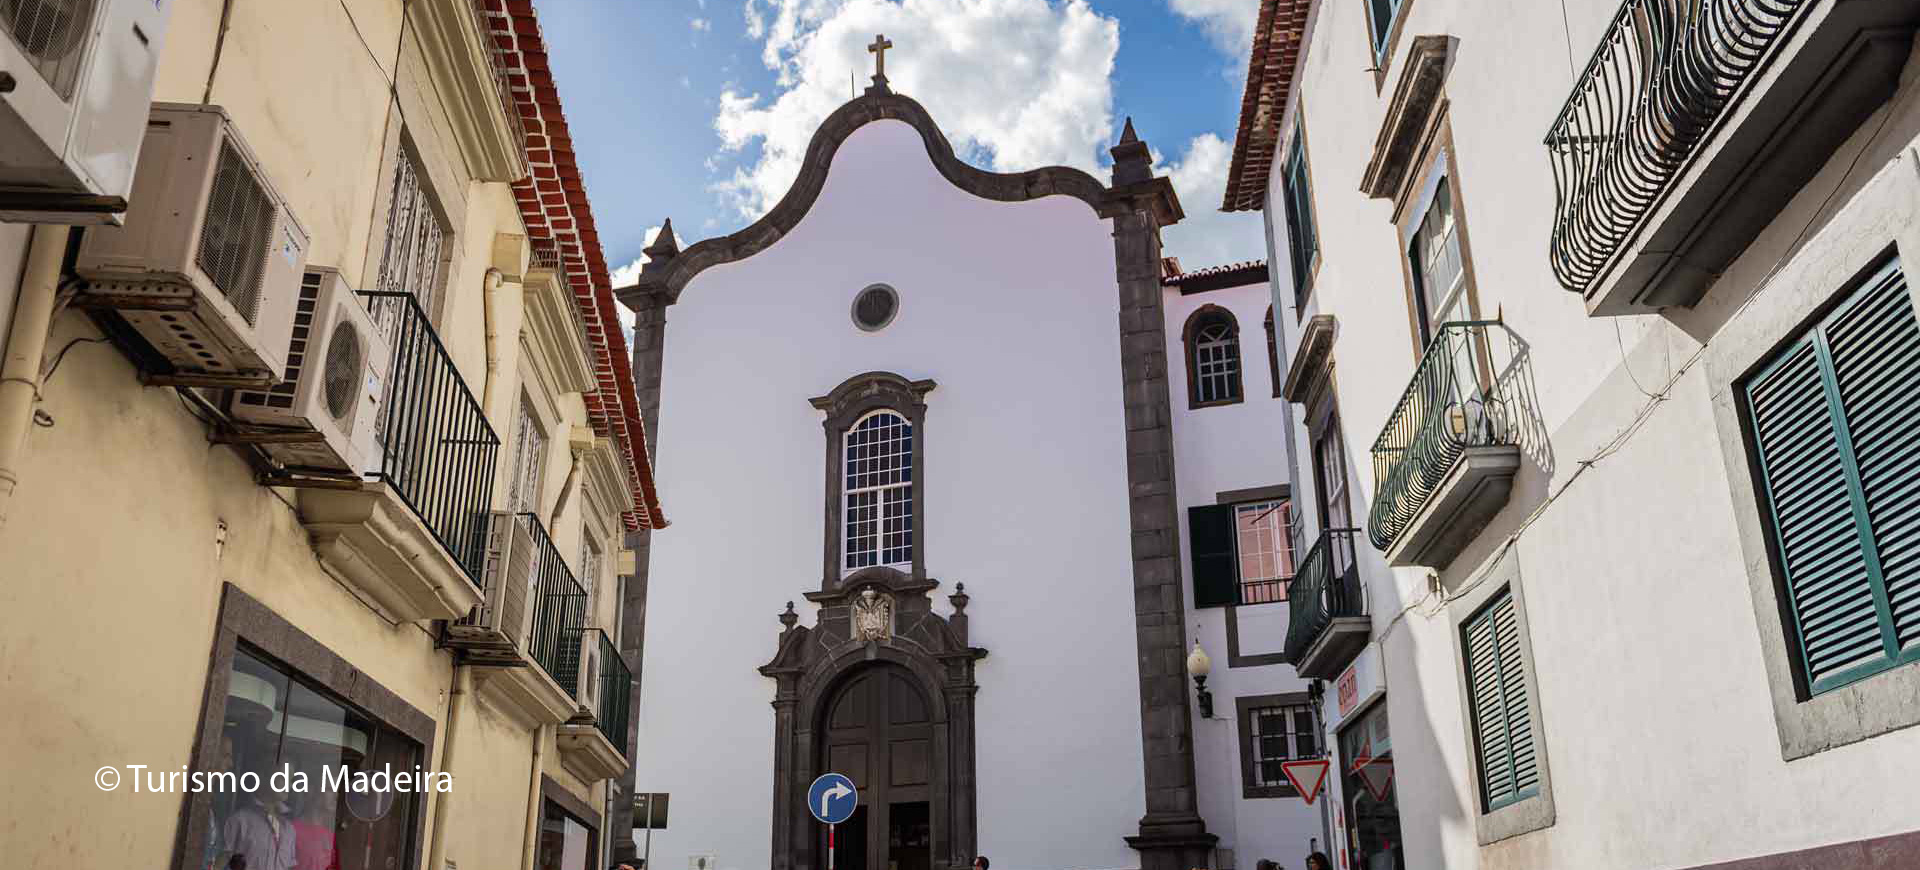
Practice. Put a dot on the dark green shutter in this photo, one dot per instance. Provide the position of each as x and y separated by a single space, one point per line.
1216 575
1837 429
1497 693
1302 242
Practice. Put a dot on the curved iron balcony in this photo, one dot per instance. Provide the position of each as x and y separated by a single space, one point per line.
1667 72
1466 393
1326 608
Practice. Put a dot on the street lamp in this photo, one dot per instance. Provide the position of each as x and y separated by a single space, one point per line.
1197 666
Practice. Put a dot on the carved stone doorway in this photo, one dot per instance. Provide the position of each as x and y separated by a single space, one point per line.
879 731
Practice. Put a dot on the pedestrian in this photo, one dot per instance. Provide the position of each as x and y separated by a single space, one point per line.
980 862
1319 861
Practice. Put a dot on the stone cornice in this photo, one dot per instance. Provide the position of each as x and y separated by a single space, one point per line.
459 58
553 329
664 280
1415 100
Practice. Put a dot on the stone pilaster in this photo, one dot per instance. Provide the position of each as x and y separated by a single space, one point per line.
1172 835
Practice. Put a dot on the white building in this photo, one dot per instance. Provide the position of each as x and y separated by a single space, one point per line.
913 375
1635 587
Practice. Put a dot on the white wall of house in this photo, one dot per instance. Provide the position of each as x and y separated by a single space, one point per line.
1658 729
1221 449
1011 309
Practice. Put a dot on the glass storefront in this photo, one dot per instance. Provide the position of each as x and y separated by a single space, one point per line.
1366 779
565 842
307 810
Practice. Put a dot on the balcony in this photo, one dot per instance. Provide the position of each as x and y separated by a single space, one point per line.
592 743
528 647
1445 462
412 537
1327 623
1694 125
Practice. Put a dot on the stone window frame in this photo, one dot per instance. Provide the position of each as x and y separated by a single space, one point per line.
1191 361
1273 354
1881 220
439 169
1528 814
245 619
1435 166
845 405
1243 708
1382 57
1305 280
551 791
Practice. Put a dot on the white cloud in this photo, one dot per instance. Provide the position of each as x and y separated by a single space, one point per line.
1209 236
626 275
701 24
1228 23
1015 84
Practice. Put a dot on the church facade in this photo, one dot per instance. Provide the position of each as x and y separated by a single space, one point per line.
938 541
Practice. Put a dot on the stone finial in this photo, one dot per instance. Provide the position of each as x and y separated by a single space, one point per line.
1132 162
959 599
664 246
788 618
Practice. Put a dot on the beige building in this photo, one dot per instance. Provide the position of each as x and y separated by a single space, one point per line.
1597 321
320 463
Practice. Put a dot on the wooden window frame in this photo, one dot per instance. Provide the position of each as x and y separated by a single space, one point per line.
1435 167
1207 315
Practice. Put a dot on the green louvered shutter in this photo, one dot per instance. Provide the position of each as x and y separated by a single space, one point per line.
1497 691
1838 435
1216 573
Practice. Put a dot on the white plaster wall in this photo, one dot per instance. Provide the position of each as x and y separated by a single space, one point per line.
1012 309
1657 724
1218 449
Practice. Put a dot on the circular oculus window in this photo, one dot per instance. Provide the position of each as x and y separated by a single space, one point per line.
875 307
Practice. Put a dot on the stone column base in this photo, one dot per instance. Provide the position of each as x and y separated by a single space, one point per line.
1182 845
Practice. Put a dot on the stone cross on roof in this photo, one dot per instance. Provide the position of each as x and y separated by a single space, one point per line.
879 50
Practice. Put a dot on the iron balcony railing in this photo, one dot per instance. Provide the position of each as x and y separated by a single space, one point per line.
1465 393
1666 74
1327 587
438 449
559 610
608 688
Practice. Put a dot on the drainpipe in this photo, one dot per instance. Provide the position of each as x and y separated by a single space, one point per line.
533 796
26 344
492 284
462 687
566 491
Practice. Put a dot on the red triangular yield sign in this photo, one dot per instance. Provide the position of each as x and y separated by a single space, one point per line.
1377 773
1307 776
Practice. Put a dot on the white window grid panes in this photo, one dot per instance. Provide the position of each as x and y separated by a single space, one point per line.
412 260
1266 550
1440 266
878 486
589 569
529 462
1216 363
1279 734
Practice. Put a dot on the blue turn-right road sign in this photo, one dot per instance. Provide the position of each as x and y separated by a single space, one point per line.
832 798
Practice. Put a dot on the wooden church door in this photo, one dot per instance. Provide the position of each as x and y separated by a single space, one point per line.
880 734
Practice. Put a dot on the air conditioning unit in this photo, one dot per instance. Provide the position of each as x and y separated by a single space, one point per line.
77 77
209 262
589 689
336 375
495 633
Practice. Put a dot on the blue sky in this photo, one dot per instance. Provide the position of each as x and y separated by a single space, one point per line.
698 109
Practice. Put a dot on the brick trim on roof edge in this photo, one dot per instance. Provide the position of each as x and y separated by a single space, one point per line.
559 220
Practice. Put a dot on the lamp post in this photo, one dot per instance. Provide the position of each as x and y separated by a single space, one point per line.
1198 665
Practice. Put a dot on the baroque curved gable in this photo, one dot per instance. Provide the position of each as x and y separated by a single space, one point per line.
666 276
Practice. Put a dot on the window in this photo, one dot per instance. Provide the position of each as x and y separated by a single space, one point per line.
1213 357
1832 426
590 570
1366 782
875 307
273 720
1497 699
566 843
1330 474
878 500
529 462
413 259
1302 240
1274 729
1434 261
1266 551
1380 18
1241 553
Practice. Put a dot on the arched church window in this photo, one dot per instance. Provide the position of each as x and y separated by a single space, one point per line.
878 491
1213 358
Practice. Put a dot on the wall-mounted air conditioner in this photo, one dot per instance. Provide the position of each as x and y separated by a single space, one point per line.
336 372
75 80
589 690
496 632
209 263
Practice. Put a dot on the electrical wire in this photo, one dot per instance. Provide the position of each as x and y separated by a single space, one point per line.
47 376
